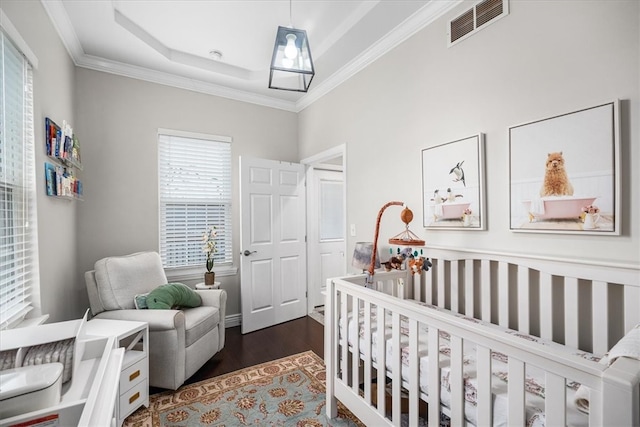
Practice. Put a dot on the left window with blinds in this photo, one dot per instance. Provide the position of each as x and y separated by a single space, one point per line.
19 280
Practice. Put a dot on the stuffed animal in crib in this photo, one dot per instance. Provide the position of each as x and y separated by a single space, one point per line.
393 263
556 182
416 264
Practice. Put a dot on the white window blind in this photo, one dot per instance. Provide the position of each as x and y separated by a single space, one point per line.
195 193
18 236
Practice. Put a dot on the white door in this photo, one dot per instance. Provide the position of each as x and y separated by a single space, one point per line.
326 230
272 236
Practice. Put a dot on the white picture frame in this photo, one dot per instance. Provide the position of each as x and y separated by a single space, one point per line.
453 184
589 143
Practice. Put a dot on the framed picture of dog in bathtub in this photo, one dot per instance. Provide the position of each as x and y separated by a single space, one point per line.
564 173
453 185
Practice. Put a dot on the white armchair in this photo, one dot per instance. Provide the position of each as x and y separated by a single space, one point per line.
180 341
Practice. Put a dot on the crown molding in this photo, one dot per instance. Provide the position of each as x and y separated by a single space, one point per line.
423 17
344 27
61 22
167 79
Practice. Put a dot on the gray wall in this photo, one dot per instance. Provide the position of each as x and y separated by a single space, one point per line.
63 296
118 120
544 59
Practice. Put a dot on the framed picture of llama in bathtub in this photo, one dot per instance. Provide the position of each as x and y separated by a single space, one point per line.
564 173
453 185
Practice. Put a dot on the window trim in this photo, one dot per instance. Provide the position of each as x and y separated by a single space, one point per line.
195 272
31 312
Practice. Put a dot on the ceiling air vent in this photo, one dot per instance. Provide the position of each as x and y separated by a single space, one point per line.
476 18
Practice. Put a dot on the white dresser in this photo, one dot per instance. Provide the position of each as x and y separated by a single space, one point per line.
133 337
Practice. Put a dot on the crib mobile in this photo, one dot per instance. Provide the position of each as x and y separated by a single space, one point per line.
416 261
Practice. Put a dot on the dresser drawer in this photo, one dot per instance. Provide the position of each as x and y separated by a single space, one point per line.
133 375
132 399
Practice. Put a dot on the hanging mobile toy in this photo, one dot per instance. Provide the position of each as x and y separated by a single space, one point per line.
407 237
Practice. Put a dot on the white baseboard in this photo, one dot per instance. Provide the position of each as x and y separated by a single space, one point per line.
233 320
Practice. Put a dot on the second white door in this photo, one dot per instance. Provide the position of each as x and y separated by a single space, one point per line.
326 230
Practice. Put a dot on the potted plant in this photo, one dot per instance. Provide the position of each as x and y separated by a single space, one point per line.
466 217
590 216
209 248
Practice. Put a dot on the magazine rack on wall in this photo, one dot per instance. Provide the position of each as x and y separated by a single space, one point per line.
63 148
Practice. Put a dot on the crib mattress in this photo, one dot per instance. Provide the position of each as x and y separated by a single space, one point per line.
534 382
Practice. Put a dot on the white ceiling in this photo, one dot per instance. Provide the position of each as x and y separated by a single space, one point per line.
169 41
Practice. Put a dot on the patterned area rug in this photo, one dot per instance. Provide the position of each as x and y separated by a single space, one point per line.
284 392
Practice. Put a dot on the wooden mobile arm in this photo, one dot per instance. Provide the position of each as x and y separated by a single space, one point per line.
375 239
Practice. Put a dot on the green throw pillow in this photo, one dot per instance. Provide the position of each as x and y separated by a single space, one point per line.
173 295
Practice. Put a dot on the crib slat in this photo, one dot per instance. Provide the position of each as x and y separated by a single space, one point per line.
455 303
382 360
414 373
485 401
417 286
523 300
600 312
546 307
503 292
441 284
469 295
555 398
331 348
396 368
434 377
595 408
631 304
429 282
456 381
367 352
344 343
355 358
485 280
571 334
515 391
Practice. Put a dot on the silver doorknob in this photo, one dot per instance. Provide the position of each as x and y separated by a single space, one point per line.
247 252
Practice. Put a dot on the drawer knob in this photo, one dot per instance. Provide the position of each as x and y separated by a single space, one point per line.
134 375
134 398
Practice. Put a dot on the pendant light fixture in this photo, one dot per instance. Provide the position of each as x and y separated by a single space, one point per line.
291 63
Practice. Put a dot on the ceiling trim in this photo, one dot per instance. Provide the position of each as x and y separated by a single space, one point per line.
181 57
62 24
423 17
344 27
167 79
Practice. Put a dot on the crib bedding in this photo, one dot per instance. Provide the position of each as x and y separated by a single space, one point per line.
534 380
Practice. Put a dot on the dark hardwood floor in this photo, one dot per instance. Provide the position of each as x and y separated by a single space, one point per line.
241 351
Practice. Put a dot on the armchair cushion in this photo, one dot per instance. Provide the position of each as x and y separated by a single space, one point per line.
173 295
199 321
120 278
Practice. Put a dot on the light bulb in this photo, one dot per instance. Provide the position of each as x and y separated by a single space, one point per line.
290 50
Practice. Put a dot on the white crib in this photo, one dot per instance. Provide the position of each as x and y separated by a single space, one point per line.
488 304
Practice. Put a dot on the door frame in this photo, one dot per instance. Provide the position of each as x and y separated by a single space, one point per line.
318 161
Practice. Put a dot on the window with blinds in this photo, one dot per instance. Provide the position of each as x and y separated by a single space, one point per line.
18 236
195 194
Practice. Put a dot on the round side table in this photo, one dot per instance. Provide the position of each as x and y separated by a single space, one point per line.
216 285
